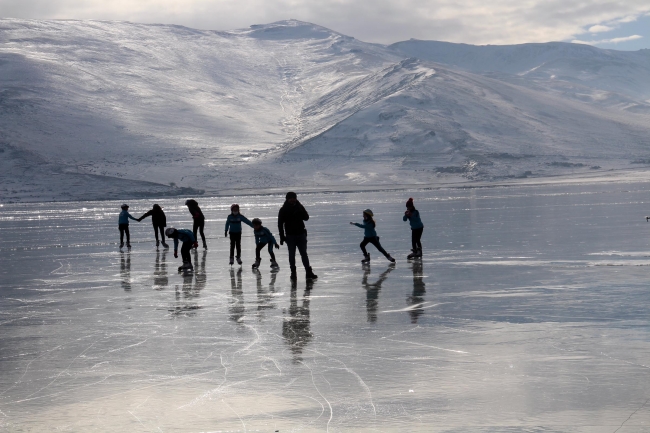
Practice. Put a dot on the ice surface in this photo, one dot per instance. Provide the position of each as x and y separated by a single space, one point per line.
529 312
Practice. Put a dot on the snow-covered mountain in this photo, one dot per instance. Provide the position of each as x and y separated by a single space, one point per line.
111 109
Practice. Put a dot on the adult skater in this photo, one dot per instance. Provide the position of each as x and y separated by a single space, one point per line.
123 225
292 230
187 237
370 236
413 217
233 225
159 221
264 237
199 220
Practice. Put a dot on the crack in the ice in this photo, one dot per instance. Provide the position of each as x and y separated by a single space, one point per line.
318 391
631 415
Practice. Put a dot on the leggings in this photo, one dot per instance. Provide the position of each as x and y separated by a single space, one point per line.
160 229
124 228
416 235
375 241
185 252
300 242
260 247
198 225
235 242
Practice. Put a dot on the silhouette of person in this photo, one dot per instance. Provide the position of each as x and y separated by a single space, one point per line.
373 289
296 325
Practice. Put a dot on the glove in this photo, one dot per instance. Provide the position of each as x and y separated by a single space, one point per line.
282 239
195 244
407 213
277 247
226 234
175 254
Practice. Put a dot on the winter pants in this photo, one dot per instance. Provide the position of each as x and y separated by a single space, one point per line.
198 226
416 235
375 241
160 229
185 252
300 242
124 228
235 242
260 247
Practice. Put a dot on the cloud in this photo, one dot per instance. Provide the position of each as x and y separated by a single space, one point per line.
385 21
600 29
608 41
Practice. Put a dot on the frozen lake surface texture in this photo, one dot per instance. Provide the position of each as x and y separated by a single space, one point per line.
528 313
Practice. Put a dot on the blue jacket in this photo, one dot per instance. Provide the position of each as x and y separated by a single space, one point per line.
233 223
414 220
124 217
368 228
183 235
264 236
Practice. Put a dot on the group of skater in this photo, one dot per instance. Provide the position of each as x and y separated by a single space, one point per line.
291 229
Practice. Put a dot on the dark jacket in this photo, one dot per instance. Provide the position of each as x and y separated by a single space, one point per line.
195 210
290 219
158 217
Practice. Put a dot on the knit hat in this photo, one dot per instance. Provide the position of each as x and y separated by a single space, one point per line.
409 202
368 212
170 231
291 194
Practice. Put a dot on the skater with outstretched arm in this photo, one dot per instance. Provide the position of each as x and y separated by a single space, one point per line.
412 215
370 236
264 237
123 225
199 221
159 221
291 226
187 237
233 225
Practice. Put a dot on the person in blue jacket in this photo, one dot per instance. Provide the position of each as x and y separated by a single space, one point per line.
370 236
123 225
187 237
412 215
233 225
264 237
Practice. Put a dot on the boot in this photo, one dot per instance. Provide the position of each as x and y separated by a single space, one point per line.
310 274
188 266
205 246
121 245
390 258
413 254
257 263
238 260
366 258
164 245
418 253
128 244
293 276
157 244
231 261
274 264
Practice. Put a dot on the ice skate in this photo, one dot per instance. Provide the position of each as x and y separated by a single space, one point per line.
205 246
418 253
366 258
239 260
165 245
310 274
257 263
121 245
157 244
231 261
274 265
412 255
128 245
293 276
390 258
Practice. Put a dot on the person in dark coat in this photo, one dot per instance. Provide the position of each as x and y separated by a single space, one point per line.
292 230
199 220
159 221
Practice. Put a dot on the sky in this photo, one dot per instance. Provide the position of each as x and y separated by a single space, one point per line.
615 24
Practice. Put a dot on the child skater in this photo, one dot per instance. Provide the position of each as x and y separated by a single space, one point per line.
199 220
413 217
233 225
187 237
263 236
159 221
370 236
123 225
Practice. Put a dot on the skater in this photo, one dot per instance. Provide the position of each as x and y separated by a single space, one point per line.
292 230
123 225
370 236
199 220
413 217
233 225
159 221
263 237
189 241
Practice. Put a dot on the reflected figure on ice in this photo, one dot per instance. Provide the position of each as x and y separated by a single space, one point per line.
416 299
373 289
200 276
264 297
296 325
125 271
184 296
236 303
160 278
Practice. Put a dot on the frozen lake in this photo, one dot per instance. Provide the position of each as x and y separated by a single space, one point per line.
529 312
